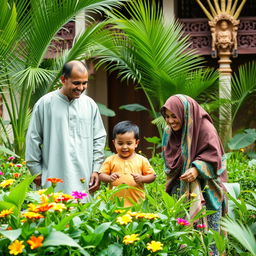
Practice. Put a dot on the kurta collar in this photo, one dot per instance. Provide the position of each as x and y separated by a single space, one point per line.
64 97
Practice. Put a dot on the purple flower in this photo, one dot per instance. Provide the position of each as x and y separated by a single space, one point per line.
182 222
78 195
1 173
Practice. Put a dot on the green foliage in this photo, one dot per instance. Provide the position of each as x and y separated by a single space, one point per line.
104 110
154 55
240 171
35 23
242 140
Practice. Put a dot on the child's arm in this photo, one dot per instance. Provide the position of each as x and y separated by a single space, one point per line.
143 178
109 178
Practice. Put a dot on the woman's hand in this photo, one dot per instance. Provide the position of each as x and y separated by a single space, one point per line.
190 175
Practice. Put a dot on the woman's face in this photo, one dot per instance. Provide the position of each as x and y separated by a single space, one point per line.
172 120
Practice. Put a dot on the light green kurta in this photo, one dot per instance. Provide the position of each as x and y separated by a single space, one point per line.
65 140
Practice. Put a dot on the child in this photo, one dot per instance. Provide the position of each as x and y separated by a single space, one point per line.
127 167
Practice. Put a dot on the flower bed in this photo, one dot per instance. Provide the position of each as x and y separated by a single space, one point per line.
48 222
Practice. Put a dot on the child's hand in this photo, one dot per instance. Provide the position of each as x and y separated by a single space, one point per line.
137 177
114 176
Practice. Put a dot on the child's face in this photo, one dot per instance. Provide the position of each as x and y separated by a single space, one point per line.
125 144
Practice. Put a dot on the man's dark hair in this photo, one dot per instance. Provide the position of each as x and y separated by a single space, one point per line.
67 68
126 126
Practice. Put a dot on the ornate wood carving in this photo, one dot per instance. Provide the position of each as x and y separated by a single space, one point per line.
200 35
64 40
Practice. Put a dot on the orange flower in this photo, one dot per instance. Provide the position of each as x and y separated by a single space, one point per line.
35 242
16 175
55 180
43 207
5 213
60 197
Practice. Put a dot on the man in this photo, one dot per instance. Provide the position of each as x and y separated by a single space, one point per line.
66 136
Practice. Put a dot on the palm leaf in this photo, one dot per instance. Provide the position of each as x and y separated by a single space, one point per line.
241 232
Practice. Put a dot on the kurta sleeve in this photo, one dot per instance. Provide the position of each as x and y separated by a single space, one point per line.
34 140
99 140
106 167
147 168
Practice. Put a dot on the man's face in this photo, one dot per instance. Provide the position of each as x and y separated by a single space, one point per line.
74 85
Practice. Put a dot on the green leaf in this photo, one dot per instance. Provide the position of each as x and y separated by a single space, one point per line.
154 139
17 194
104 110
233 189
113 250
241 233
7 151
62 224
11 234
57 238
133 107
242 140
7 205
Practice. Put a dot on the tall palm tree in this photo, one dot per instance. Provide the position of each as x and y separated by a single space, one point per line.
154 54
36 23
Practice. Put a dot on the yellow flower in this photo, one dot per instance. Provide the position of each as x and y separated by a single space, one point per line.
24 162
32 207
40 191
132 214
32 215
154 246
140 215
193 195
58 207
151 216
5 213
6 183
35 242
124 220
16 247
44 199
119 211
129 239
11 164
241 149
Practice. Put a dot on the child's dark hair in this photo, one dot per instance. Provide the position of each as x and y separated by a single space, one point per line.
126 126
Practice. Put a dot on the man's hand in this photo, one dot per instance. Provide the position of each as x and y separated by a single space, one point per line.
114 176
190 175
138 178
38 180
94 182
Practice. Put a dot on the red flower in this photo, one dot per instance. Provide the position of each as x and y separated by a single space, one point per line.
54 181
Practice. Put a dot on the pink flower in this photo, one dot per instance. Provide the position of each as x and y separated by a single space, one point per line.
201 226
11 158
78 195
1 173
182 222
18 165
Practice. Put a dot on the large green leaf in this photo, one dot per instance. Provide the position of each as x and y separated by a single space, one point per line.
113 250
7 151
11 234
133 107
104 110
243 140
17 194
241 233
57 238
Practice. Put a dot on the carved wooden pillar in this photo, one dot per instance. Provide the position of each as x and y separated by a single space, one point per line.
223 21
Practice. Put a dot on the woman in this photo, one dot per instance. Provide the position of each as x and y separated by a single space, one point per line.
194 157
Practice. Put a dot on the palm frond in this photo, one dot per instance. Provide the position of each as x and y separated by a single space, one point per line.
241 232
